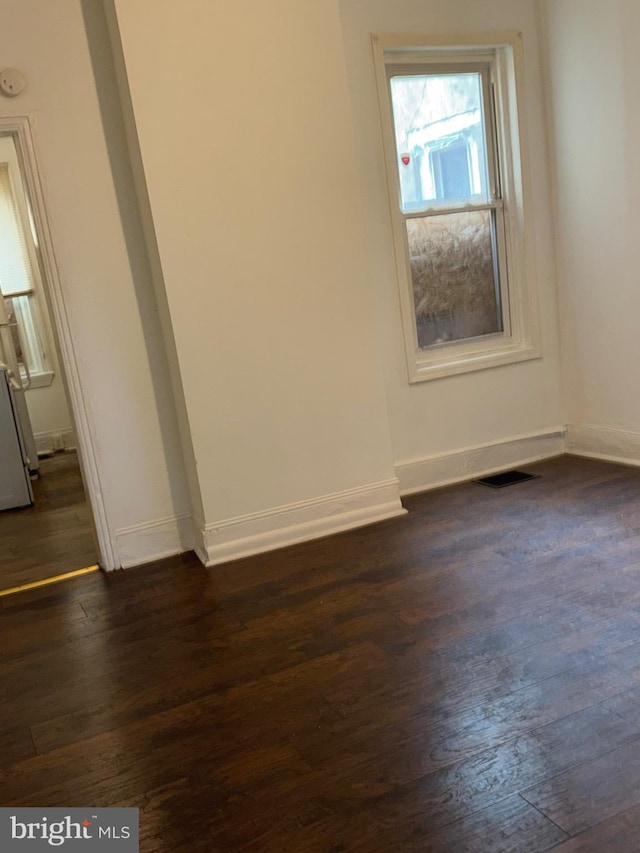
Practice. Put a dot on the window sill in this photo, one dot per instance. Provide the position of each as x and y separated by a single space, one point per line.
446 362
38 380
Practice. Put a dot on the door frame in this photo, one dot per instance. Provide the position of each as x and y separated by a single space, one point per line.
21 130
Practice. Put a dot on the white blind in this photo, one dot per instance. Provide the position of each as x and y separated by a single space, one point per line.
15 268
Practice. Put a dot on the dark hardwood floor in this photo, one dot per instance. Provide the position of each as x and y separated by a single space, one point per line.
463 679
53 536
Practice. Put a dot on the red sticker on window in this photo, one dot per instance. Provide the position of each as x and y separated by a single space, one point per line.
406 159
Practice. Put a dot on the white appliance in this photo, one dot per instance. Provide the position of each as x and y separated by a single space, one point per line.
15 483
8 355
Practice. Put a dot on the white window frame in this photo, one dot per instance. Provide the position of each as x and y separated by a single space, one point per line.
520 339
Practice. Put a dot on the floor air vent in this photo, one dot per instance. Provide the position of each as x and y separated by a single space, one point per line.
507 478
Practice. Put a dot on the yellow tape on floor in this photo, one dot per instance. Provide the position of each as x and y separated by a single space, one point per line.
35 584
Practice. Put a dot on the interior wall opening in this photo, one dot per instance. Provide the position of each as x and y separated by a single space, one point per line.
46 523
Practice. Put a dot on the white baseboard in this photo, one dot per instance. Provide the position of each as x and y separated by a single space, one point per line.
143 543
258 532
199 541
285 525
53 441
431 472
598 442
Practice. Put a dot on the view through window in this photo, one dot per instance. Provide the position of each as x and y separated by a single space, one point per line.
451 214
20 277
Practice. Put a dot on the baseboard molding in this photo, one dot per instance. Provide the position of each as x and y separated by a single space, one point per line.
143 543
199 541
245 535
53 441
598 442
258 532
431 472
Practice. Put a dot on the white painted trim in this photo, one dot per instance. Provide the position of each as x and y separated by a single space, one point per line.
37 380
199 543
299 522
431 472
20 127
598 442
54 440
143 543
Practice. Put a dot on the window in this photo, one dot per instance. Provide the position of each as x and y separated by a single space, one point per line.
454 166
20 280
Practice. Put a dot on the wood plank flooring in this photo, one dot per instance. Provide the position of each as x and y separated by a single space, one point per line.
463 679
53 536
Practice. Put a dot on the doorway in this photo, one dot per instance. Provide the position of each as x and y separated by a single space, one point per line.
47 524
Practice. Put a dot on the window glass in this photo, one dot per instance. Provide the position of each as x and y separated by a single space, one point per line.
440 139
24 322
454 276
15 267
19 277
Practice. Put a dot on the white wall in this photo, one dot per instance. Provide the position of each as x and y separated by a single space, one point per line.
245 136
102 265
594 73
432 423
257 187
49 415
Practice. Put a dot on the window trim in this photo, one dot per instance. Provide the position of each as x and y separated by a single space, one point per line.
520 340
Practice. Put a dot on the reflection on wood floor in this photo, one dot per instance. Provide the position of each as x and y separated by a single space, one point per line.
53 536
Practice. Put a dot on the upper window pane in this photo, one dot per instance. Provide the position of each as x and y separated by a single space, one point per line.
15 267
440 139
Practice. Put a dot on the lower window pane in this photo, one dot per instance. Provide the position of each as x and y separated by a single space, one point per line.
454 274
24 322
